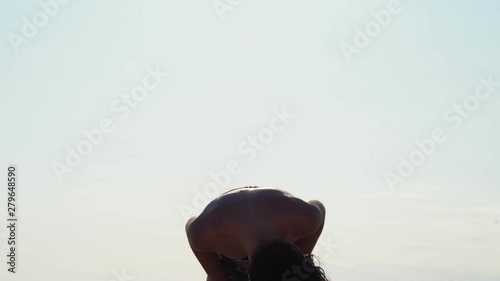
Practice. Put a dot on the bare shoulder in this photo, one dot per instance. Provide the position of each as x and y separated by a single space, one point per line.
197 233
190 229
317 204
188 224
312 214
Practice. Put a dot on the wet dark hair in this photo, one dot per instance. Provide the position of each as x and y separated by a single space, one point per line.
279 261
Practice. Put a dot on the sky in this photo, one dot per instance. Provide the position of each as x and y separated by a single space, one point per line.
124 118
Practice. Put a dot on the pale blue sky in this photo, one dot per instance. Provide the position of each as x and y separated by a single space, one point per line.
120 207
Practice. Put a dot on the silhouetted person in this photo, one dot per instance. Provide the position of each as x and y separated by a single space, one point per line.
258 234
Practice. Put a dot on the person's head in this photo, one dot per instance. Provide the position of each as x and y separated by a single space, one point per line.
279 261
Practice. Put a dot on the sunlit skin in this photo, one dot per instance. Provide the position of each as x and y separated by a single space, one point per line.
238 222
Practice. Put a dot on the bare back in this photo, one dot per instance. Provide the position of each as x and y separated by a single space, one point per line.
236 223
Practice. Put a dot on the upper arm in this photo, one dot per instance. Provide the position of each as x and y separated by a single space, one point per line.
212 265
314 220
209 260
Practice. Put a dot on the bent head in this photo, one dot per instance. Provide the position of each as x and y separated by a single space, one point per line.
278 261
